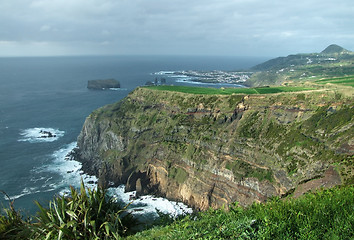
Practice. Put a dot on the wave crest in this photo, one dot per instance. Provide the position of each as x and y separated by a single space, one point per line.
34 135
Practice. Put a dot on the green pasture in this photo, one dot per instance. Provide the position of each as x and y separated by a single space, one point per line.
347 81
229 91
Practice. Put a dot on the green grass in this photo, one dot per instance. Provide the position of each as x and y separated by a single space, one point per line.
327 214
347 81
229 91
201 90
269 90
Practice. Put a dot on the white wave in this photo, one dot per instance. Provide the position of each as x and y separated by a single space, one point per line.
34 135
24 192
164 73
27 191
147 206
70 169
118 89
43 178
143 207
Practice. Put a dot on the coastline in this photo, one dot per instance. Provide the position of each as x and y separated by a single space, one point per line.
226 78
144 207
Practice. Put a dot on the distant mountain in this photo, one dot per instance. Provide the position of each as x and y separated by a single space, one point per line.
333 53
334 49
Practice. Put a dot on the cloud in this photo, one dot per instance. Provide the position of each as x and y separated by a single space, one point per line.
233 27
45 28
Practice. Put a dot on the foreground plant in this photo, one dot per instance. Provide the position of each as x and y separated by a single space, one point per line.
90 214
12 225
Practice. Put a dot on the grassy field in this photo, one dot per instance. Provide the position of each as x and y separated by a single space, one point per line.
327 214
347 81
229 91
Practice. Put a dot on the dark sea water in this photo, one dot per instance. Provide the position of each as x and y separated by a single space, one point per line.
50 93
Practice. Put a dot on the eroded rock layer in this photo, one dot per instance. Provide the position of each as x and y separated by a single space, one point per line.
212 150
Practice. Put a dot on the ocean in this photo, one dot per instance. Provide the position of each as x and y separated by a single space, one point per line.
50 94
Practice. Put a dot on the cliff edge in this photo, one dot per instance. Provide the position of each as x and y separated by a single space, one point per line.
212 150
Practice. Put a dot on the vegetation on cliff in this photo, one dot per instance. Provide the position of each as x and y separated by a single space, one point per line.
325 214
230 91
211 147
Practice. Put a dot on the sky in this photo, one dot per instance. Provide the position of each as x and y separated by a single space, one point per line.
174 27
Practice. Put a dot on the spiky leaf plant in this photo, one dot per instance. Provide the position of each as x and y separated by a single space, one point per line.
12 225
85 214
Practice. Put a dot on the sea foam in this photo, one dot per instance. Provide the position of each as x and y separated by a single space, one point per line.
62 163
70 169
148 206
118 89
34 135
144 207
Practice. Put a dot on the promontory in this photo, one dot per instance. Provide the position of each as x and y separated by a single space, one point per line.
211 147
214 149
102 84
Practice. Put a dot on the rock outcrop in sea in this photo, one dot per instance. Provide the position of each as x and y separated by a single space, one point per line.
212 150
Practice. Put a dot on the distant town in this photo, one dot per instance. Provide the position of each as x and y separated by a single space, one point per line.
232 77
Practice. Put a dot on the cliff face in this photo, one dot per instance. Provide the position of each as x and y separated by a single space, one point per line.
211 150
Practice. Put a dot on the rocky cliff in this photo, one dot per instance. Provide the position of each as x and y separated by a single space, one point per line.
211 150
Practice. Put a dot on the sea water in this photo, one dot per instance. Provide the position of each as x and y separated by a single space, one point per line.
50 94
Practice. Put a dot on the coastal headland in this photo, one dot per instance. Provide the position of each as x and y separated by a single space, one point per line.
211 147
102 84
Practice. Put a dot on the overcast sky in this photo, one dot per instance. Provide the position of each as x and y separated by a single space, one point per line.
169 27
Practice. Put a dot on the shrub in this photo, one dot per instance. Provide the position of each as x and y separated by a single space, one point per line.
87 214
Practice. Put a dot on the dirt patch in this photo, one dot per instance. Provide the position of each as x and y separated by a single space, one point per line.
330 179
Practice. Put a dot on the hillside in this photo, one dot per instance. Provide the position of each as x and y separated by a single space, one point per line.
209 150
334 61
322 215
334 49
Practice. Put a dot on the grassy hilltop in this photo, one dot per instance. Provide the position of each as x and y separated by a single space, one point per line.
332 62
325 214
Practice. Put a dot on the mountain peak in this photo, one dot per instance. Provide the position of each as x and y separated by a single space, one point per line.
333 48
